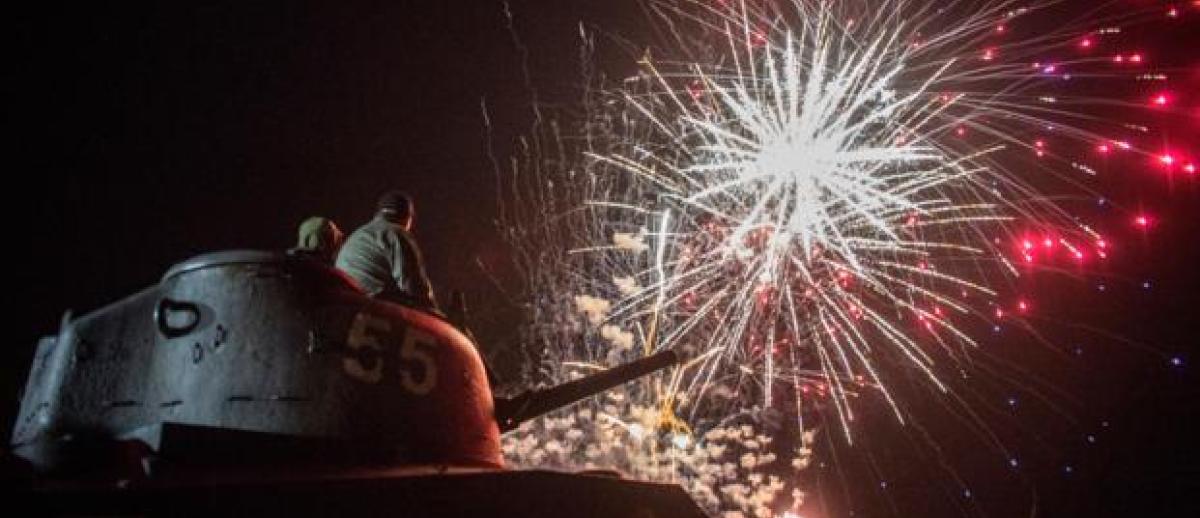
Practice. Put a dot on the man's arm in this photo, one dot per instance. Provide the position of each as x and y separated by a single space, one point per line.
400 257
419 281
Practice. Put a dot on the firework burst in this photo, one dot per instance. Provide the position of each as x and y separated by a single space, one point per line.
813 199
819 216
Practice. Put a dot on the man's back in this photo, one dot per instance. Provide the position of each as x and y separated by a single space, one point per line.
383 258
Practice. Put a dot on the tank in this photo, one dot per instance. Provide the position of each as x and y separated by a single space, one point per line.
268 383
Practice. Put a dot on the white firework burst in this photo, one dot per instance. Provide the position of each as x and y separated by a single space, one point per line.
810 190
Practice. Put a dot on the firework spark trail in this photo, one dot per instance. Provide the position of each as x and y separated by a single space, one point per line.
805 178
810 194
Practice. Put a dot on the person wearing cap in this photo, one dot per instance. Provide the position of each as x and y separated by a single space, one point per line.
382 257
319 238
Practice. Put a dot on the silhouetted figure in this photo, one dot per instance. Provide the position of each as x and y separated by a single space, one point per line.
320 239
383 258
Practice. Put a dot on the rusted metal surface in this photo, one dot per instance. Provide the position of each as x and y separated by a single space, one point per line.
268 384
261 342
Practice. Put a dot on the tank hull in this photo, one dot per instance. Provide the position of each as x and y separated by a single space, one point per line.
424 492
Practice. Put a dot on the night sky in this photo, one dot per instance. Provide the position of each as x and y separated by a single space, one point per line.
143 135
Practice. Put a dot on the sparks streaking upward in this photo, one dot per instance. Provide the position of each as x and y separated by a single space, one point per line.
818 198
822 216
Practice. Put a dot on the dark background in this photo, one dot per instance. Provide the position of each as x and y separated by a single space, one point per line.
140 135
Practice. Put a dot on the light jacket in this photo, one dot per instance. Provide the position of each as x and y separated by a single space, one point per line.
384 260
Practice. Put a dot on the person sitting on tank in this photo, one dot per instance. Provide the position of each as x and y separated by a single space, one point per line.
319 239
383 258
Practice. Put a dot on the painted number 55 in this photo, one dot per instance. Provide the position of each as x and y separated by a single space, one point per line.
365 336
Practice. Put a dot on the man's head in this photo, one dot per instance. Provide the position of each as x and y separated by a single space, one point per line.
397 207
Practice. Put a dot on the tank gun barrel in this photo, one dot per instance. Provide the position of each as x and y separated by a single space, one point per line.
511 412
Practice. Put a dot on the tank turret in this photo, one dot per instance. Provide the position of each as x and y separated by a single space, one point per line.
268 370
